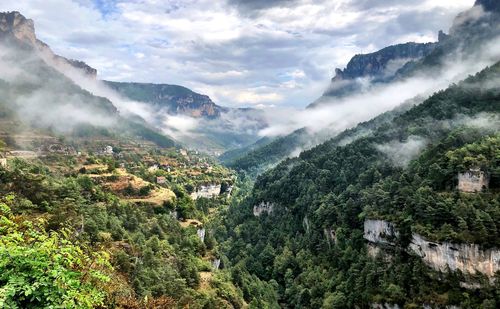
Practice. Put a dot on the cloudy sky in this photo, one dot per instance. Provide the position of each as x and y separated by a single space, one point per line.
240 52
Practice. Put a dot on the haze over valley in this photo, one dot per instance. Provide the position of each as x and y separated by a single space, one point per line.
249 154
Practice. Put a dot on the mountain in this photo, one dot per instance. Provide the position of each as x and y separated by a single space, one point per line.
170 99
13 25
471 30
217 129
38 100
385 219
267 153
380 66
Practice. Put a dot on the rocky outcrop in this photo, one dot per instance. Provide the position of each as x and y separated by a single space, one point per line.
330 235
378 66
306 224
377 63
201 234
170 98
207 191
380 232
468 258
263 207
15 27
473 180
216 264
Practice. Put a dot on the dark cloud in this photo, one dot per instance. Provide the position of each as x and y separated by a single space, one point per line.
372 4
90 38
251 7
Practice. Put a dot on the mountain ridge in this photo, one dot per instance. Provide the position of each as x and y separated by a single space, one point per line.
469 30
15 25
174 99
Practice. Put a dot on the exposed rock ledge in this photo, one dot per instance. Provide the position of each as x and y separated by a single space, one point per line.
263 207
468 258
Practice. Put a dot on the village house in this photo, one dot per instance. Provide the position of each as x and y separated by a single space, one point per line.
3 162
161 180
108 150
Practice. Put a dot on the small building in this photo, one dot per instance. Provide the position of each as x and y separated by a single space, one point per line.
153 168
3 162
473 180
183 152
161 180
108 150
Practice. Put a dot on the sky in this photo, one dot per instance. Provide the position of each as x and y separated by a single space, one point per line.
242 53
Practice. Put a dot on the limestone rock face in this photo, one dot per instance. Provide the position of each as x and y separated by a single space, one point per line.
474 180
207 191
330 235
201 234
468 258
379 231
379 66
263 207
15 27
172 98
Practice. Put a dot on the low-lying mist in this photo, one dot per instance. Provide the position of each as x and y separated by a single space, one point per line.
339 114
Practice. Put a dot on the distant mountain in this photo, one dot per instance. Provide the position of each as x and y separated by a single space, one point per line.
380 66
172 99
471 30
39 101
218 128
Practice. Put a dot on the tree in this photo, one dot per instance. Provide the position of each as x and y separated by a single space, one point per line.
42 269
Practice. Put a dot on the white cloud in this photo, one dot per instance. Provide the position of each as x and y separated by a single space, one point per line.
208 45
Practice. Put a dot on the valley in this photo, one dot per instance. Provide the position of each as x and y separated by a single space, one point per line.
382 193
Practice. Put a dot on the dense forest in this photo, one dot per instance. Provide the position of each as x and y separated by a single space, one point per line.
381 175
89 237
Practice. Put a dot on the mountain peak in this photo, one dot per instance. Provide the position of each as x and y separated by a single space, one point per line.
489 5
13 25
16 25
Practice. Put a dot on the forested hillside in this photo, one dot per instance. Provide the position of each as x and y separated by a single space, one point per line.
108 237
301 228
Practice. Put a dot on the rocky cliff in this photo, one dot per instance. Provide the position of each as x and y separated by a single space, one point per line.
207 191
469 29
473 180
172 98
14 27
263 207
378 66
468 258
